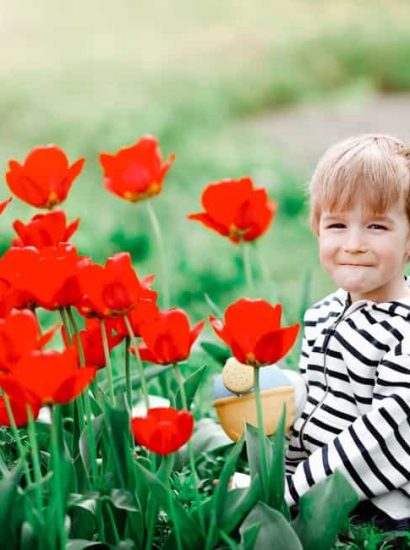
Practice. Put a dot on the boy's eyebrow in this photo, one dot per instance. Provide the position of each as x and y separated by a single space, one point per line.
333 216
340 215
381 217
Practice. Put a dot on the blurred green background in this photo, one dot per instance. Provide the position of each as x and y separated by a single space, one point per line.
233 88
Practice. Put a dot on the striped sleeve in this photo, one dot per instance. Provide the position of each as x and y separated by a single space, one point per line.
373 452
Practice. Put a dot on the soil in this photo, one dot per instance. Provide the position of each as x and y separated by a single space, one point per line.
301 134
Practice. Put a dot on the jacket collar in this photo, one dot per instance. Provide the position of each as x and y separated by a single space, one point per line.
395 307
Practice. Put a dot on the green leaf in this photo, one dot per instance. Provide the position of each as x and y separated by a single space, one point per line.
230 543
224 479
84 445
219 353
274 531
28 538
123 500
191 385
96 409
79 544
126 544
276 468
254 451
238 503
249 536
9 498
323 510
213 307
208 436
150 372
218 506
191 535
83 520
117 441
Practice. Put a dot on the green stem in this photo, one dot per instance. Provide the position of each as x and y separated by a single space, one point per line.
190 447
94 389
100 520
247 266
63 315
227 540
16 435
172 513
108 366
128 383
266 275
140 367
86 401
69 323
31 429
113 523
151 508
181 386
3 465
160 243
77 336
57 473
261 435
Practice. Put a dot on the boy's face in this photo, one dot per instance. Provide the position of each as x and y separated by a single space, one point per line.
365 254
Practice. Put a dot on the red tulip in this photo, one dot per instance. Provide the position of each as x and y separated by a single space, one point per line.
144 311
235 209
168 337
53 377
19 335
91 342
46 277
16 272
252 330
111 290
164 430
44 230
45 177
135 173
7 298
18 406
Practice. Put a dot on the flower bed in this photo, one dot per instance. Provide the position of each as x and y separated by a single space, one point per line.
81 466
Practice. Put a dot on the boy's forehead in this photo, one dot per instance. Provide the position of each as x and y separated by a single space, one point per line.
365 210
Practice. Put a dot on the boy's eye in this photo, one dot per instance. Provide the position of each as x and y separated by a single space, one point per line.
336 226
377 226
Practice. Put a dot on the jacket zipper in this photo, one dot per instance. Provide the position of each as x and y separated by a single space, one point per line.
330 333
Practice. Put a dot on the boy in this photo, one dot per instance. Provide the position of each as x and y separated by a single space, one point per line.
356 345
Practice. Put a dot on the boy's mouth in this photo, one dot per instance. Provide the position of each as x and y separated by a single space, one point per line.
355 265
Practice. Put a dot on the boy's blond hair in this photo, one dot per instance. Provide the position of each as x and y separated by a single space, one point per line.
372 168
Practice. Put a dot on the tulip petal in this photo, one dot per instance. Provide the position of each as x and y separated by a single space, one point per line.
209 222
222 200
163 430
4 204
247 319
146 354
220 330
273 346
195 332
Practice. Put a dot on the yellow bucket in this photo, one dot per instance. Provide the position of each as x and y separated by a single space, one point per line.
234 411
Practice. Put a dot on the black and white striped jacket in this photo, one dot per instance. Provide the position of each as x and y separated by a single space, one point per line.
356 362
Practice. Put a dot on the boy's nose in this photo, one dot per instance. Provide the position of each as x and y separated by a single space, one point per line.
354 243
